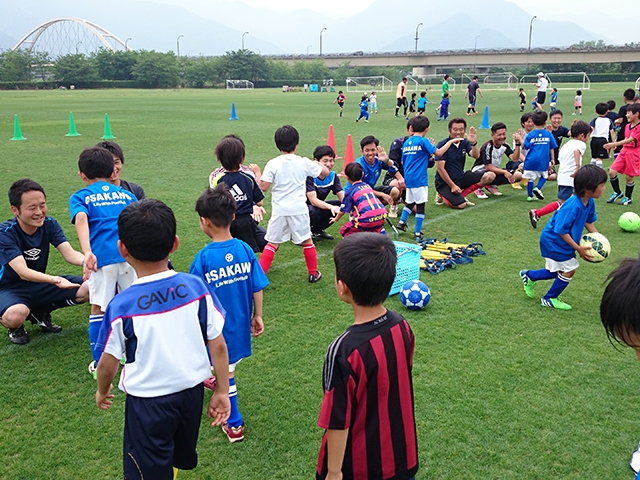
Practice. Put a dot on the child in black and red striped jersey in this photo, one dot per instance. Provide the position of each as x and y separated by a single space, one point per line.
370 364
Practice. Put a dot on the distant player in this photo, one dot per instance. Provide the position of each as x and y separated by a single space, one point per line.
554 99
340 101
577 103
367 412
542 83
444 90
444 107
628 160
523 99
603 133
422 103
235 277
364 109
570 161
560 239
412 105
539 145
373 102
401 96
472 90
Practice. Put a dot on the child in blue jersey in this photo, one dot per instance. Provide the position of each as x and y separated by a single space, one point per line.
364 109
539 145
164 323
554 99
233 274
94 212
560 239
444 107
366 212
422 103
416 158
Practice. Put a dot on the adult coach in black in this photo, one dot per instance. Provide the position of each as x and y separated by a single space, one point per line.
26 291
321 210
452 182
401 96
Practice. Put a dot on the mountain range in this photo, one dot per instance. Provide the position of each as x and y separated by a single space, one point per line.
212 27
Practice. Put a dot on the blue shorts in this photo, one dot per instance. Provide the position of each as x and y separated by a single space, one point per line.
564 192
38 296
161 433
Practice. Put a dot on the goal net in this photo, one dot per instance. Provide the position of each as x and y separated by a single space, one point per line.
366 84
563 80
239 85
493 81
429 82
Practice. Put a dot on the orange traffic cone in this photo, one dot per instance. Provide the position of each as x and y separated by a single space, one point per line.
348 155
331 141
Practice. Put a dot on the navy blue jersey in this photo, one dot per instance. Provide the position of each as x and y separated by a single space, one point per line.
558 135
454 158
14 242
243 187
330 184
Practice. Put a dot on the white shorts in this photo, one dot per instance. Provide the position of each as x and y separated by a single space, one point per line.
108 281
566 266
534 174
417 195
282 228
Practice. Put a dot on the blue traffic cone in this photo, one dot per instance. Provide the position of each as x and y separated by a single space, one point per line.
233 112
485 118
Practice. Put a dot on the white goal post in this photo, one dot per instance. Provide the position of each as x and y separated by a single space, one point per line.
239 85
637 83
562 80
378 83
429 82
492 81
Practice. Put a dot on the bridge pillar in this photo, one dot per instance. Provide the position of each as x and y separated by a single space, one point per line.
424 71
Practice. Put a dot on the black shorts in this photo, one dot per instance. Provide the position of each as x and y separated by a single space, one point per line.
468 179
243 228
421 110
402 102
542 96
38 296
386 189
597 147
161 433
472 100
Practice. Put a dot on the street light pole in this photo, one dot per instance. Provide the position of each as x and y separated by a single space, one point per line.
475 52
321 39
178 44
530 30
475 45
417 36
245 33
126 47
308 47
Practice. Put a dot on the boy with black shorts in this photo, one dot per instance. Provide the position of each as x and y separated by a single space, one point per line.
367 380
603 132
26 291
164 323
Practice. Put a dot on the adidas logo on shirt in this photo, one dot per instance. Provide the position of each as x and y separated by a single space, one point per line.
237 193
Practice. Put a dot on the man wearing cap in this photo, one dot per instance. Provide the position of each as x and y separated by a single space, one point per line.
542 85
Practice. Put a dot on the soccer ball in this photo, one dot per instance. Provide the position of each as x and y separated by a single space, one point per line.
629 222
415 295
600 246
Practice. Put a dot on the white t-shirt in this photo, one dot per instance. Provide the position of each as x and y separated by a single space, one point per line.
543 83
288 177
568 162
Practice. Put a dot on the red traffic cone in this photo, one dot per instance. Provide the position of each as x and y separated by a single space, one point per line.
331 141
348 155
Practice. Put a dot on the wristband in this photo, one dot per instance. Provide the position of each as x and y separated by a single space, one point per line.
474 144
518 144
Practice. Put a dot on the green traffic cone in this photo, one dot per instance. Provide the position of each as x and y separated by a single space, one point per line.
17 132
107 129
72 127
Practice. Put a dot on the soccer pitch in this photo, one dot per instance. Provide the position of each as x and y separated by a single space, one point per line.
503 387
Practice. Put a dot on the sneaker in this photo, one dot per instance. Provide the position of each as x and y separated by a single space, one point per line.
555 303
528 283
480 193
469 202
615 196
634 463
538 193
314 277
401 226
18 335
393 211
534 217
625 201
493 190
531 199
516 186
418 236
322 235
93 369
43 320
438 200
234 434
210 383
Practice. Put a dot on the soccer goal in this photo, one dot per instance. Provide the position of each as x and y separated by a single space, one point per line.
493 81
239 85
378 83
429 82
563 80
637 83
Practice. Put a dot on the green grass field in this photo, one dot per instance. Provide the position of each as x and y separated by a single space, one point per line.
503 387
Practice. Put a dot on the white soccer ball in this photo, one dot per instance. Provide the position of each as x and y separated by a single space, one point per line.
415 295
600 246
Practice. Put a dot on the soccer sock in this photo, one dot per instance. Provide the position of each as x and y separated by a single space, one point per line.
406 211
552 207
469 189
267 256
340 112
615 184
557 287
542 274
419 217
95 321
468 110
541 182
397 108
596 161
628 191
530 188
473 110
309 252
235 418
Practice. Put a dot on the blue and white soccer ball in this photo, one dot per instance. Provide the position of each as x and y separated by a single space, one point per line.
415 295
